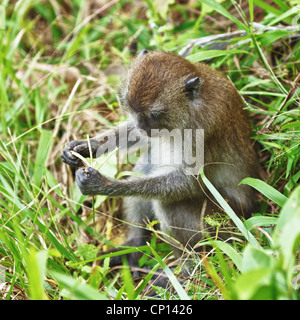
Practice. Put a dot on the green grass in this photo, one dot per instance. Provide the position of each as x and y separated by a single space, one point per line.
60 67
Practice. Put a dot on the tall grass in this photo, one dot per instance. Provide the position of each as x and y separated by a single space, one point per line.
61 65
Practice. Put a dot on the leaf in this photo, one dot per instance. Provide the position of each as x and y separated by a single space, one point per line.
99 200
229 211
127 279
266 190
235 256
2 17
36 268
75 289
251 12
107 164
209 54
177 286
293 124
147 279
87 251
217 7
268 38
261 221
249 284
288 228
206 9
254 259
267 7
41 157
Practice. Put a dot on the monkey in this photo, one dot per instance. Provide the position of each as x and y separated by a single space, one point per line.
164 91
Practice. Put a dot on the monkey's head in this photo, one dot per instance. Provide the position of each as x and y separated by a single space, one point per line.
161 91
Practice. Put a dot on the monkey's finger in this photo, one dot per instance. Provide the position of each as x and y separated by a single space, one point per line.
69 159
82 148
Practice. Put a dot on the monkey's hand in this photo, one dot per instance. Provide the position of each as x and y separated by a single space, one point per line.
91 182
81 147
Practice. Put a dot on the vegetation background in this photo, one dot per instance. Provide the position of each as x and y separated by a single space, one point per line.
61 62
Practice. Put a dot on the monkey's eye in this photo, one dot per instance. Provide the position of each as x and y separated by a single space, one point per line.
154 116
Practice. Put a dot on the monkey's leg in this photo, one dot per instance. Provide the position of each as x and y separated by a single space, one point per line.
137 213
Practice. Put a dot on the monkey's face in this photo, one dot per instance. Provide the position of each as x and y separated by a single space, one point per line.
159 92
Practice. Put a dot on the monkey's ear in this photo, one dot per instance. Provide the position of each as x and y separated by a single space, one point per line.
142 53
192 87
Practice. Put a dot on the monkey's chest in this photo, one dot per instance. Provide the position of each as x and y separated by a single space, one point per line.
160 153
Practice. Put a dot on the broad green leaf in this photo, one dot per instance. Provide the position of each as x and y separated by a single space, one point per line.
288 228
99 200
250 284
260 221
266 190
283 4
292 182
52 183
254 259
36 269
107 164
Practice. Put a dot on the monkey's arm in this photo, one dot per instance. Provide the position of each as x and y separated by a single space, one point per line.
103 142
175 185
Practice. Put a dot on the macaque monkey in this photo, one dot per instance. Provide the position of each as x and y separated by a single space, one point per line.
165 92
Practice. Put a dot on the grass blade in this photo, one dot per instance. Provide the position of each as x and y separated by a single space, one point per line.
229 211
209 54
235 257
181 292
217 7
41 157
36 267
266 190
77 290
261 221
